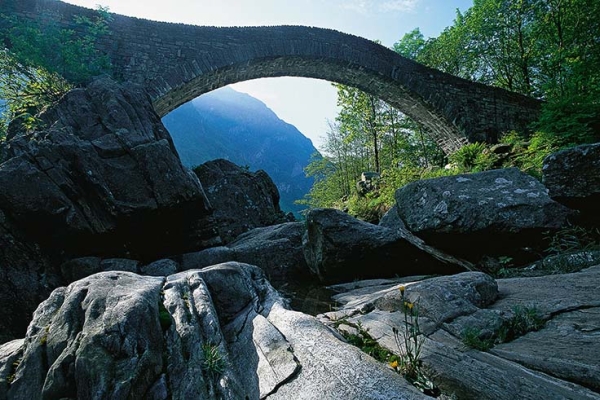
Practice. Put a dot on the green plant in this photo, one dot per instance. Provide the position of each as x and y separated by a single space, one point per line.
522 321
214 362
409 340
164 317
471 337
474 157
11 378
573 238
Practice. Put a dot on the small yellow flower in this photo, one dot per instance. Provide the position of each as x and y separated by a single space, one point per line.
394 364
402 288
409 305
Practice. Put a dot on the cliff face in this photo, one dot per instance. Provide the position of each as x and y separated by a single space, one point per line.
239 128
102 177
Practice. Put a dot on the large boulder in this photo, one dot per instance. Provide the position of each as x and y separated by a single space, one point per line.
242 200
495 213
26 278
572 177
101 176
559 361
340 248
219 333
276 249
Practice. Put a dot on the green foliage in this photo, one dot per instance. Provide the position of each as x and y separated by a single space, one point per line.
214 362
474 157
164 317
368 135
471 337
547 49
409 341
528 153
364 341
70 53
573 238
522 321
570 120
44 62
27 91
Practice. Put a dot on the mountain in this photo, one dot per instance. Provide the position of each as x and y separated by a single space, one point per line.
237 127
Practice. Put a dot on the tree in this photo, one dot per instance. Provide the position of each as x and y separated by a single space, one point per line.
44 62
26 90
70 53
369 135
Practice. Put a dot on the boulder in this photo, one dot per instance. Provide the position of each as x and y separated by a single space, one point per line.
392 220
527 367
340 248
242 200
27 277
276 249
218 333
101 176
493 213
572 177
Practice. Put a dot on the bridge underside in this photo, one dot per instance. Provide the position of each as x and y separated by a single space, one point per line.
168 96
177 63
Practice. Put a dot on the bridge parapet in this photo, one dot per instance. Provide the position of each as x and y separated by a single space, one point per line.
178 62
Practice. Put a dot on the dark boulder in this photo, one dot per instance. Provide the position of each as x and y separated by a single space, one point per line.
572 177
340 248
276 249
495 213
26 279
242 200
102 177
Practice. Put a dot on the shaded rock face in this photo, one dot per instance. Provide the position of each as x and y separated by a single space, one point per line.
494 213
219 333
557 362
102 177
26 279
340 248
572 177
276 249
242 200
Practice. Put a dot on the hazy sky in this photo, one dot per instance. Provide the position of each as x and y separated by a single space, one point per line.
305 103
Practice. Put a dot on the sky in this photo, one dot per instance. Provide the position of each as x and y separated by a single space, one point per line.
306 103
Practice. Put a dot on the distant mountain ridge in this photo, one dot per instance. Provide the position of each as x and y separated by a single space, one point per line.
237 127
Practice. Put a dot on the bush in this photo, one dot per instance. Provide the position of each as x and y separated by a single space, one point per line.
474 157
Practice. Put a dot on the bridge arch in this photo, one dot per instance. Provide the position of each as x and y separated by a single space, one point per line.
178 62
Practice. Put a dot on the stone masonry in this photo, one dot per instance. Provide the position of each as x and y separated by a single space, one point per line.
178 62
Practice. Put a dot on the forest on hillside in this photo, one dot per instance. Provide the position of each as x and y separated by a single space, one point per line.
547 49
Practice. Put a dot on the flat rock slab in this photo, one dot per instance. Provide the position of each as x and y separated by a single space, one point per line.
560 361
568 348
551 294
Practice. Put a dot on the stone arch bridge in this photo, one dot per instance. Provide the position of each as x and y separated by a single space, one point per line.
177 63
